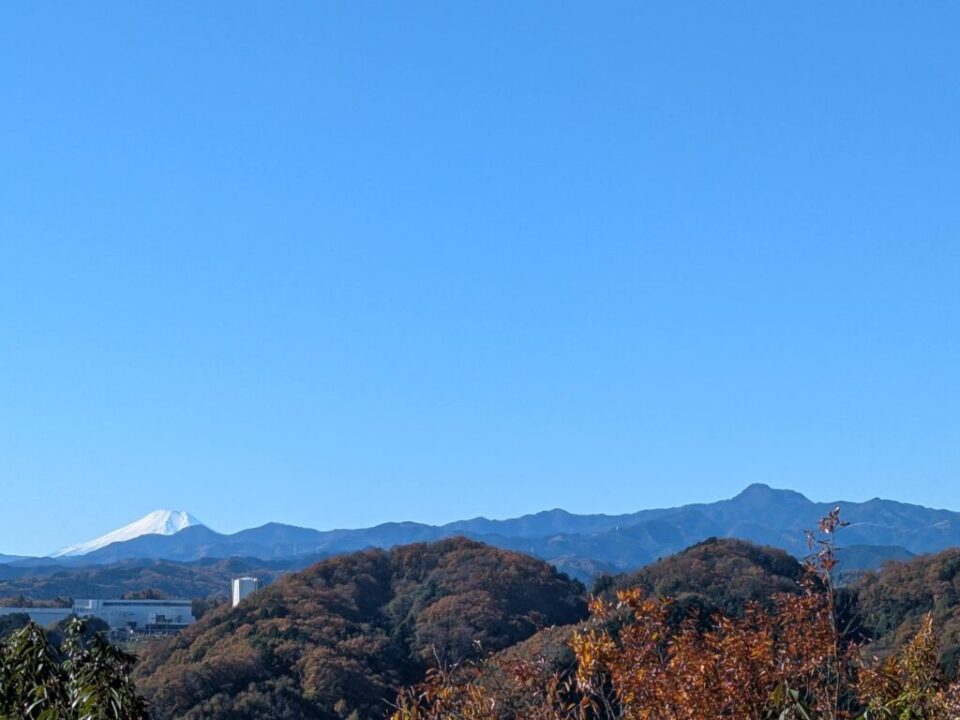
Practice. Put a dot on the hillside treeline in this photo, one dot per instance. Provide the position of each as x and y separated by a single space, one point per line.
340 639
798 653
337 640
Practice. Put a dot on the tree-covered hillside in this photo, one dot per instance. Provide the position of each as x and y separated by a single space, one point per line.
337 640
342 636
883 608
717 575
893 602
722 574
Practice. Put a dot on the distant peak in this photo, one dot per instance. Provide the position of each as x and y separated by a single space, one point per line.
762 491
158 522
756 489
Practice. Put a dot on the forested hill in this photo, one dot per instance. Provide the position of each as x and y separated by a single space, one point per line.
892 602
340 637
207 578
884 608
720 573
348 631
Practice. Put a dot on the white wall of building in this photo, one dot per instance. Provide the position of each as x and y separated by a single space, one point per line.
244 587
137 615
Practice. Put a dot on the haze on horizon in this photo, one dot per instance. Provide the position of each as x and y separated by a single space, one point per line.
336 265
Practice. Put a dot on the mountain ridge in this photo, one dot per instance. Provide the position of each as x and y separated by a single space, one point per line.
588 544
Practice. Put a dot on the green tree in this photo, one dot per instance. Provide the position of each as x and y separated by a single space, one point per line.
87 678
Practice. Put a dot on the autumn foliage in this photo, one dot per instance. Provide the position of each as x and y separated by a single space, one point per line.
634 661
337 639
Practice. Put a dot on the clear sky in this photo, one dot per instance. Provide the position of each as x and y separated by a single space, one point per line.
334 264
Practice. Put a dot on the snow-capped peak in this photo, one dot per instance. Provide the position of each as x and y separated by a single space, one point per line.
159 522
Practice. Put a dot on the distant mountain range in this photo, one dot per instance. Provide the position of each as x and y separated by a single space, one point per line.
582 545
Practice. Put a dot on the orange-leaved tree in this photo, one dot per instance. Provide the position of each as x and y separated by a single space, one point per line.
634 662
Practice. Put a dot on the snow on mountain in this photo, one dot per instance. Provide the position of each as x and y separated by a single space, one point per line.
159 522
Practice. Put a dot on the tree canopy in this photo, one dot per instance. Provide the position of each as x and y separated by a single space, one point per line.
349 631
81 678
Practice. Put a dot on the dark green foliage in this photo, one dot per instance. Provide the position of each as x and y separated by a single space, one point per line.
59 634
893 601
85 678
351 630
12 623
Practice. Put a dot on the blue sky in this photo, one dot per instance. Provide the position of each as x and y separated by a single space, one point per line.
334 264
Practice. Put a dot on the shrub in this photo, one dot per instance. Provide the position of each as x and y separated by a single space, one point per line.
86 678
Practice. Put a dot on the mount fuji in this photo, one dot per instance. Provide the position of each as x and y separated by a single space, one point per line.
159 522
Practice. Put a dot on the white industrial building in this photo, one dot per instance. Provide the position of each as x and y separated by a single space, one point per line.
138 616
244 587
